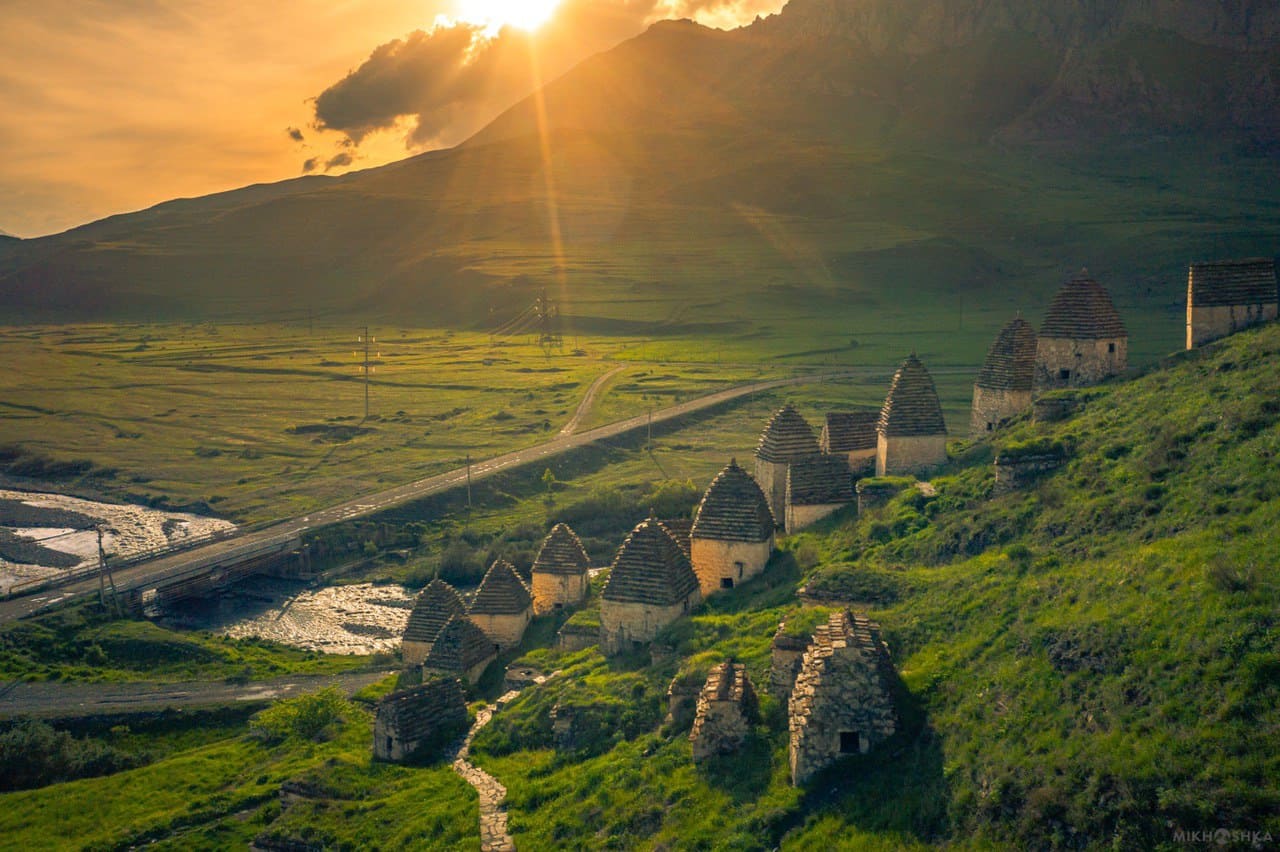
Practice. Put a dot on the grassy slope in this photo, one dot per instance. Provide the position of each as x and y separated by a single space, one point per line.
223 794
1092 661
83 644
1089 662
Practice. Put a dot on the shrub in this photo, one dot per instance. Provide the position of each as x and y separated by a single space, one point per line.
33 755
308 717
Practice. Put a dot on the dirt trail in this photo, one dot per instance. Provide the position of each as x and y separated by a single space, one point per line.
584 407
493 812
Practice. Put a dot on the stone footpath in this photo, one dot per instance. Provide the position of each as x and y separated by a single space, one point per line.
493 813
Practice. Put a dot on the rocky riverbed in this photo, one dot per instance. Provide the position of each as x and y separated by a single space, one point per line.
355 619
43 534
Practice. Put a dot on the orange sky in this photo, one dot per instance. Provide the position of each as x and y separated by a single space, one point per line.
112 105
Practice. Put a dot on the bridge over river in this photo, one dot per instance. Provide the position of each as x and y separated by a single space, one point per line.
208 565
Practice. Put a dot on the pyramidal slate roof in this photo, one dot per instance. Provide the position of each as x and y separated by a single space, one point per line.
562 553
459 646
733 509
1011 360
847 431
820 480
912 406
681 529
651 568
501 592
431 610
788 436
1232 282
1082 310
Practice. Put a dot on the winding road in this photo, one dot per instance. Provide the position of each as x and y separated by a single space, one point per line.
142 574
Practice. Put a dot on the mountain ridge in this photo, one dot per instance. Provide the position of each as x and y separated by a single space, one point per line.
683 140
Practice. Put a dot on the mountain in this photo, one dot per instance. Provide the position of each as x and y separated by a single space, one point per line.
804 166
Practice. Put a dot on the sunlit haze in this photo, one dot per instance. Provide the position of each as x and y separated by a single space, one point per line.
527 15
109 106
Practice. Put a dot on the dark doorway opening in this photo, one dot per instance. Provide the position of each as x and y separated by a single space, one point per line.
389 744
1064 374
850 743
726 582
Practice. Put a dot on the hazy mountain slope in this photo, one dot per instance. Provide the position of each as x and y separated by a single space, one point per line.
819 148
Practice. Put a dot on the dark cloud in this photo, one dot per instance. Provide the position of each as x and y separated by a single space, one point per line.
295 134
449 82
310 165
337 161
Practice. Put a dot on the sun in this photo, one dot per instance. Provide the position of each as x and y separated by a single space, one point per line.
526 15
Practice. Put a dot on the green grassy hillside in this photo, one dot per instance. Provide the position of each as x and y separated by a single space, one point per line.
1091 662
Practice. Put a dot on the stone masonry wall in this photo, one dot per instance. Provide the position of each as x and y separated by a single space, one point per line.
568 590
787 655
1212 322
1086 362
1019 473
414 652
573 637
909 454
738 561
622 624
506 631
799 517
840 704
862 462
726 708
993 407
772 479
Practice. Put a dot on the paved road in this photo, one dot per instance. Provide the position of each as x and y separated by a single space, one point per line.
148 572
66 700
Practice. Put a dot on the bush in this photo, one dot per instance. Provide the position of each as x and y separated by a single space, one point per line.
308 717
33 755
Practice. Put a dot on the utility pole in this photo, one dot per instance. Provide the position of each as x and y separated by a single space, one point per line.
104 577
468 482
648 444
366 339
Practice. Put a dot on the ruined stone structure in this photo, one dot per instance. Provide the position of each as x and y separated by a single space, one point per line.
575 637
650 585
875 493
1019 470
682 699
1227 296
461 649
842 701
816 487
502 606
732 535
911 434
559 571
411 720
432 609
787 437
1054 407
1007 378
852 434
1083 339
727 708
787 655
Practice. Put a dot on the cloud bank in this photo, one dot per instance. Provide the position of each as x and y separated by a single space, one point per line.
441 85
